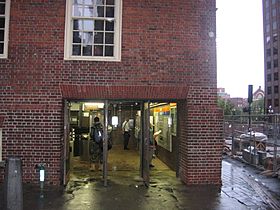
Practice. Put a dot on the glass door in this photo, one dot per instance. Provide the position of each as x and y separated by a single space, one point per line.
66 137
145 143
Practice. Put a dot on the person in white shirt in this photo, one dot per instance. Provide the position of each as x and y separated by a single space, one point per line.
126 133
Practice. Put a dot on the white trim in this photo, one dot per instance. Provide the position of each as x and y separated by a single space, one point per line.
117 36
6 35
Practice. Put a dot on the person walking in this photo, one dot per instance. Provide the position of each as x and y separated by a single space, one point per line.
126 133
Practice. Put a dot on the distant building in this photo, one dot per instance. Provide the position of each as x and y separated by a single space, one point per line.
271 25
239 102
258 94
222 93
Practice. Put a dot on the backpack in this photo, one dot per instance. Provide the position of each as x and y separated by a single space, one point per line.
97 133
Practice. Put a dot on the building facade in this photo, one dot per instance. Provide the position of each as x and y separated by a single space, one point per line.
271 26
54 51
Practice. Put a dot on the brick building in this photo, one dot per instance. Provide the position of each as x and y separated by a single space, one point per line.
271 17
55 52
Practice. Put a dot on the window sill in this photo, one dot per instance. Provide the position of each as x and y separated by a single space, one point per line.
102 59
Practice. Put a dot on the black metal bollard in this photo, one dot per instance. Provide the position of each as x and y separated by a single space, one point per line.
13 194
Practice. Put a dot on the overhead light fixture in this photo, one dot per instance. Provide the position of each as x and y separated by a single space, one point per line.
93 106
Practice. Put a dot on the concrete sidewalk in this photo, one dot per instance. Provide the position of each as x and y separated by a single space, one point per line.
242 188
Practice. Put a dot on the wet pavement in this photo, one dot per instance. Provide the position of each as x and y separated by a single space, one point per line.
243 188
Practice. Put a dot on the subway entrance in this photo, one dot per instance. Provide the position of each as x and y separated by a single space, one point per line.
151 147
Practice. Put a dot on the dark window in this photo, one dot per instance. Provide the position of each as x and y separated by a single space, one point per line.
276 89
268 65
269 77
268 90
268 52
269 102
275 51
275 37
276 102
275 76
275 63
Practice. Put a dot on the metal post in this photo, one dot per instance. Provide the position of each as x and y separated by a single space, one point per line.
105 145
13 194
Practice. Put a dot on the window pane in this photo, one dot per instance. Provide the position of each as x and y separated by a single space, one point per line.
268 65
87 50
88 25
1 35
2 22
268 90
2 9
275 63
109 50
78 1
100 11
76 50
276 89
274 25
269 77
109 38
268 52
110 12
77 25
275 76
88 2
110 2
109 26
275 38
269 102
88 11
99 2
98 38
77 11
276 102
87 38
76 37
275 51
274 12
99 25
1 48
98 50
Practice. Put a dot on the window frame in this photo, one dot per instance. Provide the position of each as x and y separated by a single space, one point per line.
6 29
69 35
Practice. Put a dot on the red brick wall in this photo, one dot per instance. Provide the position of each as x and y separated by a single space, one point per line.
167 53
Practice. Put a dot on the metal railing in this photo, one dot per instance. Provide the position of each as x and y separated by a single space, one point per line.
258 135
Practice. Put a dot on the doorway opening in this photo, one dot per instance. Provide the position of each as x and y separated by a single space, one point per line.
152 144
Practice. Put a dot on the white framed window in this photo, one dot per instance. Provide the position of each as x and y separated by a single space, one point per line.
93 30
4 27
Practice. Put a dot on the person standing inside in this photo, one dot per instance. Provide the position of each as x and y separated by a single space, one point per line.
96 136
126 133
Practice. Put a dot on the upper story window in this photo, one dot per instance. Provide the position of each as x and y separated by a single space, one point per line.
4 27
93 30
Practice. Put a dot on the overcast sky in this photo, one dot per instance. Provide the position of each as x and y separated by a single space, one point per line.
240 46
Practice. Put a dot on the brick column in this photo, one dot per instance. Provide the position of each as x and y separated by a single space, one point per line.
201 134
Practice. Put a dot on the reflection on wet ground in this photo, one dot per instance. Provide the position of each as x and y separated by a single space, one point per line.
125 190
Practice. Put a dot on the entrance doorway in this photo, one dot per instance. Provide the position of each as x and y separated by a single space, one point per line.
145 119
